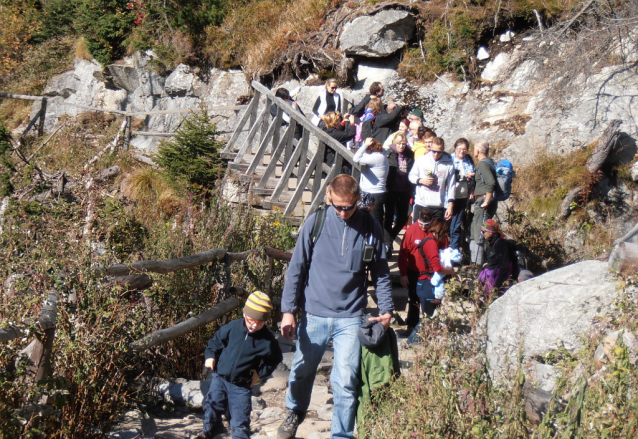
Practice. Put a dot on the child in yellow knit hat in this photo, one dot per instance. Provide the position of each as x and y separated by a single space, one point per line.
241 352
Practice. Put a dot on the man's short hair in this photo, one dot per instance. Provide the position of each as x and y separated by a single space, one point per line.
439 142
344 185
415 124
482 146
425 216
375 88
428 133
282 93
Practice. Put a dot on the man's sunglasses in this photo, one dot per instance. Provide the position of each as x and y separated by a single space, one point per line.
344 208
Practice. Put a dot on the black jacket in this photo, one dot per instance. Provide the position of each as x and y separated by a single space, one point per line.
238 351
393 167
298 127
382 125
497 255
360 108
342 135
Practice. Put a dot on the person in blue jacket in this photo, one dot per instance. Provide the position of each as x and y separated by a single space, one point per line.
326 281
240 354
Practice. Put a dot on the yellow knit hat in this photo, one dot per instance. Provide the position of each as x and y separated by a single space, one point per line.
258 306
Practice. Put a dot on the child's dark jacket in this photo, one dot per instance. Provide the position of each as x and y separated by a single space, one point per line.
238 351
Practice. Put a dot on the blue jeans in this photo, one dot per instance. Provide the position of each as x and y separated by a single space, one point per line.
458 215
425 293
314 333
225 396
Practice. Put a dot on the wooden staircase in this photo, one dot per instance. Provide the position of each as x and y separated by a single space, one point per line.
280 170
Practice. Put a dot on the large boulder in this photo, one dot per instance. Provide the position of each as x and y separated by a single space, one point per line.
377 35
543 315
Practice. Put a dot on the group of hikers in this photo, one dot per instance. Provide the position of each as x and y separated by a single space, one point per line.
343 248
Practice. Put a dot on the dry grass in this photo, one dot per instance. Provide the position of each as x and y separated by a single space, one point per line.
30 77
543 184
255 34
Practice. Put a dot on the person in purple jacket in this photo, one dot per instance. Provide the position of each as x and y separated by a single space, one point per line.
326 280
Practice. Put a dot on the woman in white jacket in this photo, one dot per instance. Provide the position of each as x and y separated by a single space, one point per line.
374 173
327 101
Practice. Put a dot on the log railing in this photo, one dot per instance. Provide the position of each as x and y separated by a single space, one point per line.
298 158
128 116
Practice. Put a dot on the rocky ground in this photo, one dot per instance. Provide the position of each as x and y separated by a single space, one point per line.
268 398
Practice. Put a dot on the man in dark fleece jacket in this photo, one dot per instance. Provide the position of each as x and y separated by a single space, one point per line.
327 281
240 353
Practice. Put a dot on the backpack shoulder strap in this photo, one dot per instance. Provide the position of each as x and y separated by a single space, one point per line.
317 225
425 258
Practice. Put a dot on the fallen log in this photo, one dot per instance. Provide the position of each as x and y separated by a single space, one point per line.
164 335
604 147
594 165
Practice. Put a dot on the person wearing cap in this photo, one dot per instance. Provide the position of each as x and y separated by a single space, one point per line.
416 115
240 354
327 282
498 275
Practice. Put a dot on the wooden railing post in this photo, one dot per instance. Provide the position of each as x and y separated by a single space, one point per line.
43 112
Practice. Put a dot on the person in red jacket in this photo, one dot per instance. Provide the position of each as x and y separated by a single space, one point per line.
416 271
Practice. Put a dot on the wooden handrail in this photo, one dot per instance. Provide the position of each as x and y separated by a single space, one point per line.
167 334
192 261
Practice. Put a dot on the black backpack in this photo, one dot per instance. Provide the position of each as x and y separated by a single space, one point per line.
519 256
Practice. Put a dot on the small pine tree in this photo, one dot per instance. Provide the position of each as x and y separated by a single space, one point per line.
193 155
7 167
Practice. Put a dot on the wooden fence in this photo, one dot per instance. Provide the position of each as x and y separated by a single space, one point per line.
133 277
125 131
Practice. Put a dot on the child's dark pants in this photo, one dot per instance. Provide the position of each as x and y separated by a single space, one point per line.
224 395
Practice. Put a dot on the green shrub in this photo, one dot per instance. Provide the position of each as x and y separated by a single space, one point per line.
7 167
193 155
105 25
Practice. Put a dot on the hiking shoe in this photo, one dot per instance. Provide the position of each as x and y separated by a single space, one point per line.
288 428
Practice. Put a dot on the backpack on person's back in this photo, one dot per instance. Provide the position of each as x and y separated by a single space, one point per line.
504 175
504 172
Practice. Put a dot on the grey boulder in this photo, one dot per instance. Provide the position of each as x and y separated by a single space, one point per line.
544 314
377 35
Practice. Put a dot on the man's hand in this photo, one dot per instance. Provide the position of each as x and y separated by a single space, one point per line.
484 205
426 181
449 211
255 378
288 326
404 281
210 363
384 319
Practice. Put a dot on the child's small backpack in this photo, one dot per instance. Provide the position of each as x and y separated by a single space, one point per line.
504 175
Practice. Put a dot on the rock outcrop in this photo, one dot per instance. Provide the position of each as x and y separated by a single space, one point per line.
133 85
544 315
378 35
